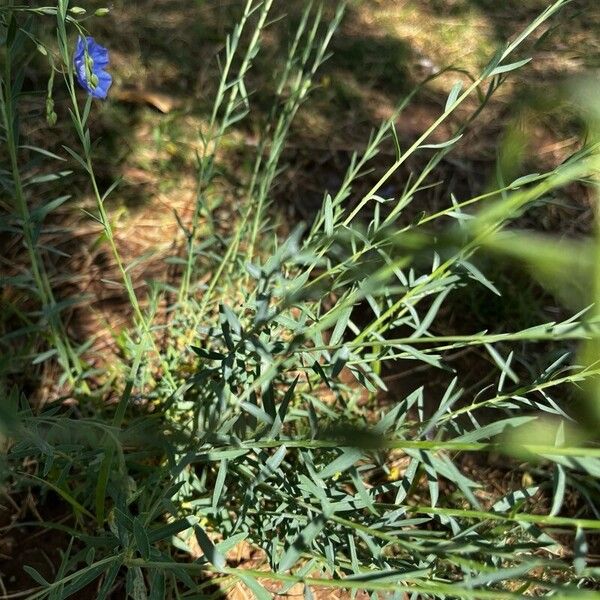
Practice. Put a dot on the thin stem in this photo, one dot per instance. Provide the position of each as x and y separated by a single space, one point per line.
105 222
206 169
60 340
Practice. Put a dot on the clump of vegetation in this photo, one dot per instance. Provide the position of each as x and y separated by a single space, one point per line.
252 408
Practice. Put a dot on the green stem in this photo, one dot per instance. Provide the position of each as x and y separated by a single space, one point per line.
368 583
105 222
206 166
67 357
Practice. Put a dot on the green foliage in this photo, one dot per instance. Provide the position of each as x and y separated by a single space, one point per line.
266 427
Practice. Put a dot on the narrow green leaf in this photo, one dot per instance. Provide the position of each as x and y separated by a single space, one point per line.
328 215
442 144
208 354
260 593
136 586
44 356
35 575
318 369
141 537
79 159
510 67
84 578
219 485
166 531
302 543
580 551
109 579
348 457
339 361
210 551
559 482
158 586
397 147
453 95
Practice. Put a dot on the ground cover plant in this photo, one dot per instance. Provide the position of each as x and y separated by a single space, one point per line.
329 404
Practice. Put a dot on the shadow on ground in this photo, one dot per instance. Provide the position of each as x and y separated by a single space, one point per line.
164 61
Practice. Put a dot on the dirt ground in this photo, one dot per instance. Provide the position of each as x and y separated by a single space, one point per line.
163 55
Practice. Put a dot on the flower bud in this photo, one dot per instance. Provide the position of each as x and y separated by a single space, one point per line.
102 12
77 10
50 114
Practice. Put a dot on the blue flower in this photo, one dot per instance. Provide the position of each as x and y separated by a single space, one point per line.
90 60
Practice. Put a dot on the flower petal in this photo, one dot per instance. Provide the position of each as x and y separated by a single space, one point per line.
104 83
90 72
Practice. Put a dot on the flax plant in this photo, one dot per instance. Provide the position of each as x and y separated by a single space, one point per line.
85 160
284 434
231 105
10 89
